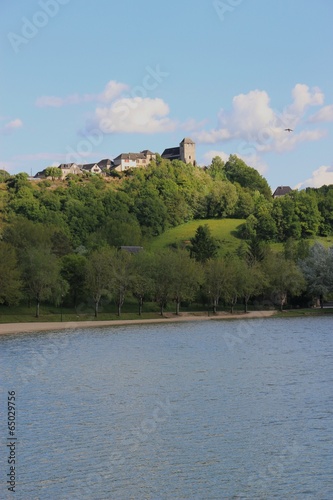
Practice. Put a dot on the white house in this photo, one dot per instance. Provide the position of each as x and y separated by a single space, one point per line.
92 168
132 160
69 168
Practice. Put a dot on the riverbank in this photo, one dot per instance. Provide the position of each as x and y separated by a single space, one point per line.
7 328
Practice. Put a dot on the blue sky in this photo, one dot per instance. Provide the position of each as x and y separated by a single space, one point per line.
81 81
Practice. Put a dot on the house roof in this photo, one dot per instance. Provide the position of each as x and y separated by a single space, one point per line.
105 162
40 174
147 152
67 165
281 191
89 166
171 153
131 249
130 156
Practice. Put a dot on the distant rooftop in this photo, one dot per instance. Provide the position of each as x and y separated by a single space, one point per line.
131 249
281 191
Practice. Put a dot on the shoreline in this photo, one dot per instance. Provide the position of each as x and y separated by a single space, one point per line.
21 328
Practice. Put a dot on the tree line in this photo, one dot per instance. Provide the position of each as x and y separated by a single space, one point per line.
127 208
32 268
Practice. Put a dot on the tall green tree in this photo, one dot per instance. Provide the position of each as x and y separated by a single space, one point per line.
216 169
222 199
142 283
306 208
10 275
150 211
186 276
286 219
234 282
24 234
53 172
4 175
317 269
73 270
284 278
253 281
41 275
98 275
163 279
217 281
121 277
237 171
203 245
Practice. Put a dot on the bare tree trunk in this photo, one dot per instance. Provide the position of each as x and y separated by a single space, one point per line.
214 306
96 308
177 306
37 308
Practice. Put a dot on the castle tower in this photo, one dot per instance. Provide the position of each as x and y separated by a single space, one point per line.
187 151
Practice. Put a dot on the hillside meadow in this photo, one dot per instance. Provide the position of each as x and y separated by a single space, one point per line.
223 230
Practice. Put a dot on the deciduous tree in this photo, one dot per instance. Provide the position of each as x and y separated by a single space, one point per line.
284 277
98 275
10 276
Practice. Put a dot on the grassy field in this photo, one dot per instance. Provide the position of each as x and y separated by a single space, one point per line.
296 313
51 315
224 230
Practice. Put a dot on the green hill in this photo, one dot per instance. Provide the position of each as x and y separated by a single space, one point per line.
224 230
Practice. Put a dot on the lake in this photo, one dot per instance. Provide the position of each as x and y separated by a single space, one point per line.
237 409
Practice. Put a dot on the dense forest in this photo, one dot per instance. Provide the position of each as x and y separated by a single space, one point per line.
60 239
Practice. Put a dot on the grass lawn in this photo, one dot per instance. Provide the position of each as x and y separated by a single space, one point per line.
295 313
224 230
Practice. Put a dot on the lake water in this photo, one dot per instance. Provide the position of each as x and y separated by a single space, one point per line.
200 410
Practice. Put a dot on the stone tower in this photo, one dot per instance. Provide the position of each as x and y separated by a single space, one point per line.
187 151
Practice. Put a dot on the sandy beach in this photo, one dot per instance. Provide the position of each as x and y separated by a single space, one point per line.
7 328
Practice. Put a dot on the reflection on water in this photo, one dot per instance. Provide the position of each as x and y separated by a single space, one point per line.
202 410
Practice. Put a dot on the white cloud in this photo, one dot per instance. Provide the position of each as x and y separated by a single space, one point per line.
11 126
303 98
325 114
133 115
253 120
323 175
251 160
207 157
14 124
112 90
285 141
212 136
250 113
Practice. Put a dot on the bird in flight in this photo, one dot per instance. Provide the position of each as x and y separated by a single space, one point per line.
288 129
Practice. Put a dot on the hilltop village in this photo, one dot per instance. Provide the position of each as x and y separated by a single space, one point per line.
184 152
58 239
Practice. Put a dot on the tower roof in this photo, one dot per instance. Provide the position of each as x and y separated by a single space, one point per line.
187 140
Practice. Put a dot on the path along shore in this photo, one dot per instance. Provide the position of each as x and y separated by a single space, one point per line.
7 328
